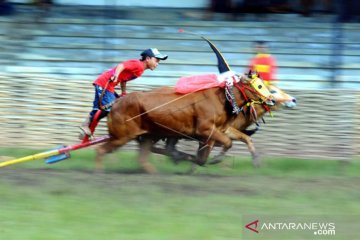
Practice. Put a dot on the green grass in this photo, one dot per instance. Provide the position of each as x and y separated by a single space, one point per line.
68 201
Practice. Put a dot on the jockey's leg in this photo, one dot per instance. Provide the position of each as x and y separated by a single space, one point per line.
85 127
96 116
90 123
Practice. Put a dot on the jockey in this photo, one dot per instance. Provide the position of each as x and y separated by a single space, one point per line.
263 63
105 84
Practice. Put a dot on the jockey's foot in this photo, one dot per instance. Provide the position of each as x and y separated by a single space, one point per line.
84 127
82 135
85 131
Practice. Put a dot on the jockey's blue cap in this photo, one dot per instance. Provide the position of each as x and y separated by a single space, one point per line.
154 52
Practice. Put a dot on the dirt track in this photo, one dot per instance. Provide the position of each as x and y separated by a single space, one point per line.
187 184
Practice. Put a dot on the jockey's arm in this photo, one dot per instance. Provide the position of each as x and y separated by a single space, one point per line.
119 68
123 88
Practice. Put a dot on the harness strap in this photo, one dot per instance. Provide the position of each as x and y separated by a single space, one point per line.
231 98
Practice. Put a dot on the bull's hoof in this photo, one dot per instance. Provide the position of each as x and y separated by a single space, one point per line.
256 161
178 156
193 169
99 166
99 170
149 169
217 159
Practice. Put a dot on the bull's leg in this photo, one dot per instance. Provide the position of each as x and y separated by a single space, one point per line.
170 147
171 151
167 151
170 143
177 155
237 135
161 151
104 149
202 155
204 152
144 153
214 135
219 158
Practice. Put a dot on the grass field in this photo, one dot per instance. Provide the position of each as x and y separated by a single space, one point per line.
69 201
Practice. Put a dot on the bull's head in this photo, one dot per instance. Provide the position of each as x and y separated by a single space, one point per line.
282 98
256 83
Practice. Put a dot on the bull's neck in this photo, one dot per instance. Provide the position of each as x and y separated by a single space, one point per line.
240 97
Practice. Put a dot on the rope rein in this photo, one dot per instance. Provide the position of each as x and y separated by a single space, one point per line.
102 107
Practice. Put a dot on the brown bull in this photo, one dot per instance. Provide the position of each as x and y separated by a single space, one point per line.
255 111
161 112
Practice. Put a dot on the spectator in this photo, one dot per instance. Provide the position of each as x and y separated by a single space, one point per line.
263 63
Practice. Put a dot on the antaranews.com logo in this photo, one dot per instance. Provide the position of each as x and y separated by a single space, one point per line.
318 228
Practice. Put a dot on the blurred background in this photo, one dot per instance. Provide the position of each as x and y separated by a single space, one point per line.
51 52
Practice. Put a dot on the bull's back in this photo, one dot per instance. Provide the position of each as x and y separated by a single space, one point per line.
148 111
163 109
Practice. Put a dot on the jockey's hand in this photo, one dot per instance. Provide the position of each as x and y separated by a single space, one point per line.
123 94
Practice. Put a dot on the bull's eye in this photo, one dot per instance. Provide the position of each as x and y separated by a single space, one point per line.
260 86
